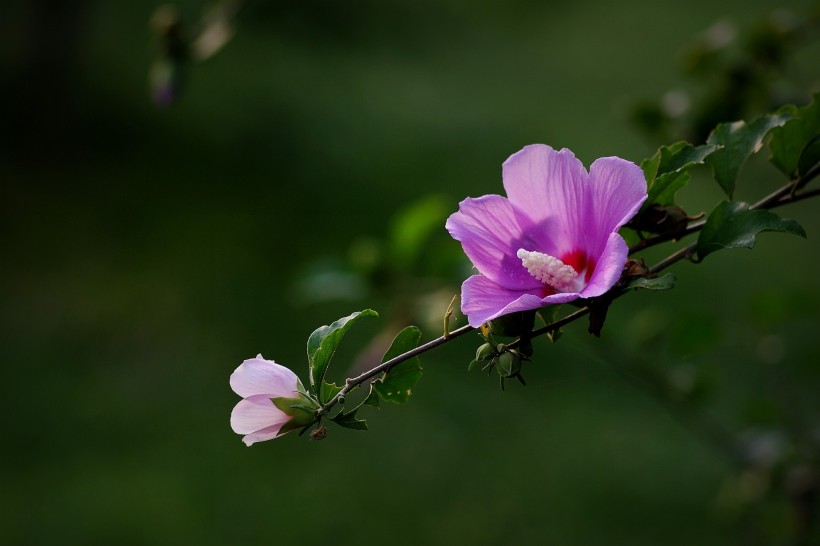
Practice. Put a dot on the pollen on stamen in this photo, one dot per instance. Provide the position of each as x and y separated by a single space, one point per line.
548 269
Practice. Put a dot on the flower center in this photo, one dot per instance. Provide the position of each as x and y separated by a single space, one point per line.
548 269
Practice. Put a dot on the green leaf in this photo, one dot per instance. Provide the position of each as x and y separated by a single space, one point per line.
397 384
328 391
666 170
739 140
349 420
733 225
791 139
665 282
665 188
322 344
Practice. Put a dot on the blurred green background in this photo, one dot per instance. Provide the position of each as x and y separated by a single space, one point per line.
147 251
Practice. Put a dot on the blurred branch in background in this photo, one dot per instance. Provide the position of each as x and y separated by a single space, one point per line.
180 45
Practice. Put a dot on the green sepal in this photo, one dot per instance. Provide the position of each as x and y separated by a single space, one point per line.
733 225
328 391
738 141
322 344
665 282
397 384
295 407
791 140
302 412
349 420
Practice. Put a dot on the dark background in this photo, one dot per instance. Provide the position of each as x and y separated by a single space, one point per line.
147 251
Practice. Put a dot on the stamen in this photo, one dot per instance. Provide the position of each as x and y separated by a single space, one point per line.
548 269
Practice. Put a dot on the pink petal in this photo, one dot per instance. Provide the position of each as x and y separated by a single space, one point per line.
268 433
260 376
490 235
617 190
550 188
609 267
256 413
482 300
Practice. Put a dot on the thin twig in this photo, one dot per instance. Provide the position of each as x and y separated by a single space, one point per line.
781 196
354 382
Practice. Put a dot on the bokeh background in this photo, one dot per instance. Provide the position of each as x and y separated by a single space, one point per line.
147 249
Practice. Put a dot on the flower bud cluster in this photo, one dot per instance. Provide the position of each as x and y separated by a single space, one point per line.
506 361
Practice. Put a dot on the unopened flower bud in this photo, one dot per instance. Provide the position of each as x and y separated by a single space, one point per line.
508 364
485 352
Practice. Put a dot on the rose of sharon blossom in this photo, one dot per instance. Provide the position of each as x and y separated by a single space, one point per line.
553 239
258 381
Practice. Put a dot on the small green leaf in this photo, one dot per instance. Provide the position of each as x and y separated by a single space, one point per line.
397 384
665 188
328 391
666 170
322 344
791 139
733 225
349 420
665 282
739 140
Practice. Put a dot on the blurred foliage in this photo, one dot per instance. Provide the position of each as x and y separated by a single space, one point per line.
148 251
735 73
